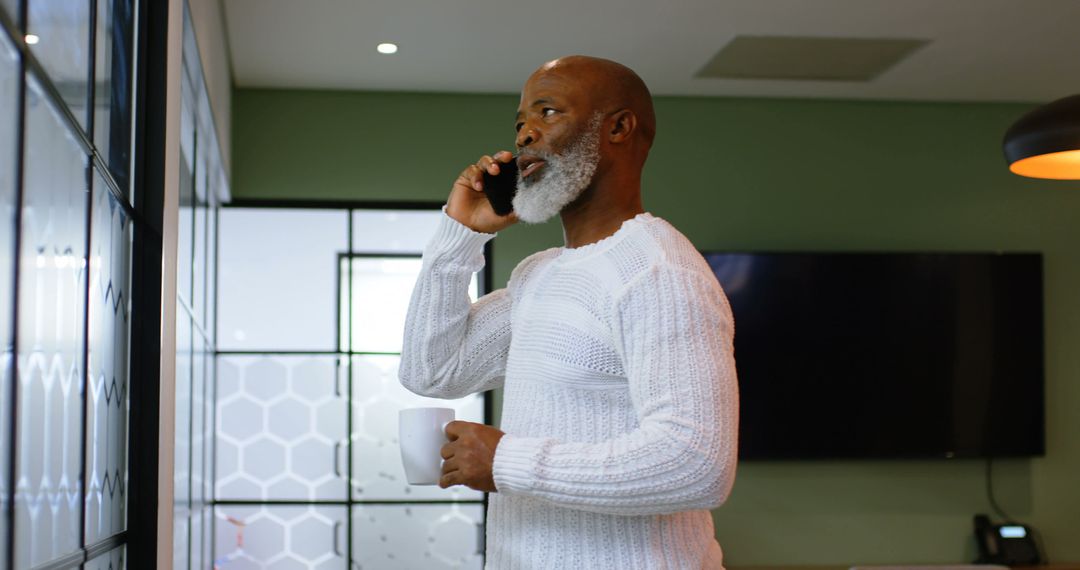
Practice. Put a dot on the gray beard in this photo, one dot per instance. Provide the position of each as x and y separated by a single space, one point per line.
562 179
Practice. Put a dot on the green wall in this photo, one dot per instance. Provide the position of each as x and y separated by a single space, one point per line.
756 174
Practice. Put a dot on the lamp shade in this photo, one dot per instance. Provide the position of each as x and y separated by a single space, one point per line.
1045 143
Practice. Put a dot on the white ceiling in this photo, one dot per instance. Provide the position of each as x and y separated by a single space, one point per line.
980 50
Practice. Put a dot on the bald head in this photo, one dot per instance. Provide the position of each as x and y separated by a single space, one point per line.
611 87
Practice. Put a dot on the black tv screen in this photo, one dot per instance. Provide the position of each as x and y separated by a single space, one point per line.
887 355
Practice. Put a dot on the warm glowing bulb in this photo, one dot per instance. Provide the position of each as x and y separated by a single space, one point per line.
31 39
1063 165
387 48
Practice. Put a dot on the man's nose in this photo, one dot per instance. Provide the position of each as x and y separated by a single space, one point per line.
527 136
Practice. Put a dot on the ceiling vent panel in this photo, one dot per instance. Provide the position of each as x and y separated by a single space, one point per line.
808 58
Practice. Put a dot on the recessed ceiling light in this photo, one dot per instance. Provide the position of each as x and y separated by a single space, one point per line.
387 48
31 39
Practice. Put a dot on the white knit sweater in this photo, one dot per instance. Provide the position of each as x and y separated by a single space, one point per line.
621 403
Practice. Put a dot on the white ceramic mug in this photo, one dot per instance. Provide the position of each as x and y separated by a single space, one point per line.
422 433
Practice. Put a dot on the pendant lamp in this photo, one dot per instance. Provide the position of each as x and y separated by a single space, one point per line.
1045 143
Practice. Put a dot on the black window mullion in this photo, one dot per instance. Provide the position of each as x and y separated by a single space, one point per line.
20 151
83 472
148 181
92 56
211 352
83 475
349 392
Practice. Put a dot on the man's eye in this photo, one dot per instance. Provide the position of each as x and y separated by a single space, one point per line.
547 112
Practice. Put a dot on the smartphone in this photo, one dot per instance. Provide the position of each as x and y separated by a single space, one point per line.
501 188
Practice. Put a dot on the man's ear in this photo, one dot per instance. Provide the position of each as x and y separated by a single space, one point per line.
624 123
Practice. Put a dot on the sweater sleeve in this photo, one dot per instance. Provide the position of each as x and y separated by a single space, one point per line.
453 347
674 330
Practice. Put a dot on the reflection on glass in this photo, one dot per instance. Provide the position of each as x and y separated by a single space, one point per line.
63 31
113 87
381 290
307 537
110 305
52 286
281 428
377 398
278 280
418 536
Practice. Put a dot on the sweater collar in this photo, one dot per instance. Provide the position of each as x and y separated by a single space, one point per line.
587 250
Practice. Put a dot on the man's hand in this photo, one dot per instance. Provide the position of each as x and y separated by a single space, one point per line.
469 205
469 456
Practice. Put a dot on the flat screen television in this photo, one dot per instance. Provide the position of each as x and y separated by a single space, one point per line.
887 355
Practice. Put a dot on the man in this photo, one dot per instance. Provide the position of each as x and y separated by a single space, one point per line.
615 352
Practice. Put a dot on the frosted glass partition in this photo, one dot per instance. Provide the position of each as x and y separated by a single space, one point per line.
382 287
393 231
307 460
52 283
206 553
180 542
196 366
67 237
418 536
199 413
278 278
198 537
110 331
281 428
271 537
182 442
377 398
381 290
